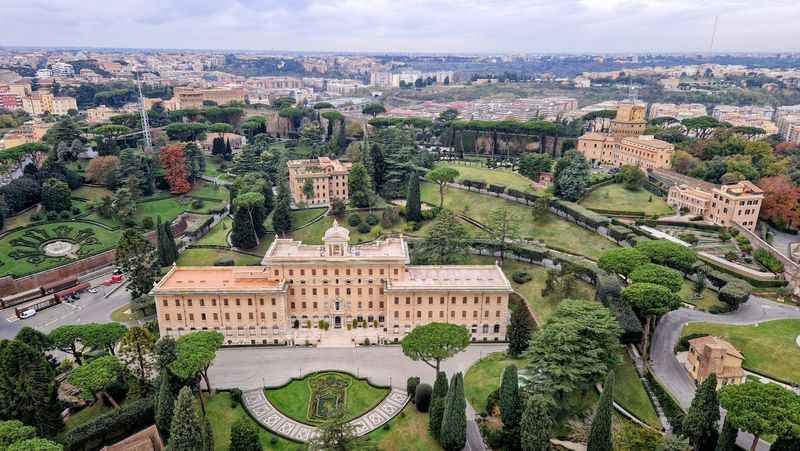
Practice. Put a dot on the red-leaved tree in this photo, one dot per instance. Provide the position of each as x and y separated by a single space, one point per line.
781 197
173 160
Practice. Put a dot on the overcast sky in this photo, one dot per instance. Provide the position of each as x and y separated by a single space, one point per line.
406 25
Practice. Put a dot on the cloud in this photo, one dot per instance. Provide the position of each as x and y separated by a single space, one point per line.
467 26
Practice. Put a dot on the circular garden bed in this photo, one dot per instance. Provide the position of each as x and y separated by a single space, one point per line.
39 247
319 397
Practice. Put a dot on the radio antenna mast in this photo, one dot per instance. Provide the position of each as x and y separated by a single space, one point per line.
713 36
148 145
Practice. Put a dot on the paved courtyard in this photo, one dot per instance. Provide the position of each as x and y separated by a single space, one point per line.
249 368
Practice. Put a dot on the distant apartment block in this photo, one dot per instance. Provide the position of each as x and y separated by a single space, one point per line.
193 98
100 114
387 79
677 111
722 205
549 108
788 128
41 102
328 177
62 70
747 116
343 87
625 144
270 83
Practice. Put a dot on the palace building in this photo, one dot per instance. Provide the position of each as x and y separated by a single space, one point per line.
625 144
327 177
300 290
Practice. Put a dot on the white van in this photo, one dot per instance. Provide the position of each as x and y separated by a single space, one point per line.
27 314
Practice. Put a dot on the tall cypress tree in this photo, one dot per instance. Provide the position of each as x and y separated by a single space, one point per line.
186 432
510 401
727 438
269 202
600 433
702 419
169 239
437 405
519 332
413 207
536 425
242 233
454 423
164 404
281 218
377 167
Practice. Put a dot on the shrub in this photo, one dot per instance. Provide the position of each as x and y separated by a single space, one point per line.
493 401
147 222
724 236
429 214
412 226
767 260
521 277
197 204
690 238
735 292
75 210
364 228
608 286
657 274
227 261
236 397
111 427
390 216
731 256
717 309
64 214
36 217
52 215
372 219
422 397
411 387
337 207
354 219
667 253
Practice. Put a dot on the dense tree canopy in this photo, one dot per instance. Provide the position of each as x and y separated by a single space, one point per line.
435 342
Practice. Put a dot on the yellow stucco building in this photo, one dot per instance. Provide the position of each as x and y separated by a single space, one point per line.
369 290
328 177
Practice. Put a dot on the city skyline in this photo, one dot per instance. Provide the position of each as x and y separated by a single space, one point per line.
441 26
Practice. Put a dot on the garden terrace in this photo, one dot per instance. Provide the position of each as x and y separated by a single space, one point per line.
503 177
616 199
554 232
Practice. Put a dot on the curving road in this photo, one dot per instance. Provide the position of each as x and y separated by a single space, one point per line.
671 373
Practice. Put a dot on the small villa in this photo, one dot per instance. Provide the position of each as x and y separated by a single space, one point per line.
713 355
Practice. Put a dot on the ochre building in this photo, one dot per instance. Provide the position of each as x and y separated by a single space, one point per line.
625 144
722 205
328 179
301 289
713 355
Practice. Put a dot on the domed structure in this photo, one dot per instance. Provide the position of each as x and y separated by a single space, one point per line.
336 239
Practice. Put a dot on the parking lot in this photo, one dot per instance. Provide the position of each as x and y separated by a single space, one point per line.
90 308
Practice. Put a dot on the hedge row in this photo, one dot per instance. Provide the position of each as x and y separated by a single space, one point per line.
580 214
671 409
604 211
111 427
609 293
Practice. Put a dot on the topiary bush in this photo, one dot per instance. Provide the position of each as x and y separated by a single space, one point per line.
364 228
422 397
735 292
36 217
147 222
521 277
657 274
354 219
64 214
372 219
197 204
75 210
411 387
767 260
52 215
226 261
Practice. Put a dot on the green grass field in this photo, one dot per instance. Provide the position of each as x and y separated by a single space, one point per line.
555 232
629 392
299 217
484 377
313 233
218 235
207 257
406 432
222 416
709 299
294 399
543 306
617 197
17 267
769 348
92 192
209 190
505 177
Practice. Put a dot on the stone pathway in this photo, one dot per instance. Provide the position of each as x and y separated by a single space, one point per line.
271 418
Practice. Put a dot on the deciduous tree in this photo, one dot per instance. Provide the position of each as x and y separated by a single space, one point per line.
781 204
138 260
502 229
101 170
135 351
36 444
173 160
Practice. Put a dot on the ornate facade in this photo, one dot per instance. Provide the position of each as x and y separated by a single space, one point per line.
328 178
299 288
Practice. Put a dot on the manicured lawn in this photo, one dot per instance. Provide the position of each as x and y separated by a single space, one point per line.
92 192
407 432
552 231
543 306
630 393
299 217
769 348
207 257
505 177
617 197
86 415
209 190
709 299
19 220
219 234
213 166
222 417
313 233
29 251
294 399
171 207
485 376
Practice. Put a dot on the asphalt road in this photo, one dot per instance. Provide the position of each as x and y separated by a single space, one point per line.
674 376
90 308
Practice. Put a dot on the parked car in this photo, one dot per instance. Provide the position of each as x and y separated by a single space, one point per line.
116 278
75 297
92 290
27 314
